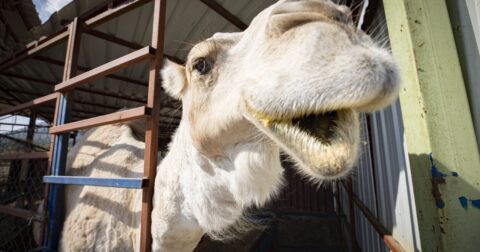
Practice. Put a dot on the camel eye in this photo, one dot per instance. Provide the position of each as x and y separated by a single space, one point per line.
203 65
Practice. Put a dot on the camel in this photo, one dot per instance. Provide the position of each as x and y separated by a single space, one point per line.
293 82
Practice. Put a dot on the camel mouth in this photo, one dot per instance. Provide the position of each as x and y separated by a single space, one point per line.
323 144
319 126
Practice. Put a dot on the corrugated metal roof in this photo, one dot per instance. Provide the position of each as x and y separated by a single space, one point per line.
187 22
16 19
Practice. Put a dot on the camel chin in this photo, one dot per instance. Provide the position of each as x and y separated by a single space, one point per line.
323 143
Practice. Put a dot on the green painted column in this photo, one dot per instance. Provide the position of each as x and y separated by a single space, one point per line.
437 120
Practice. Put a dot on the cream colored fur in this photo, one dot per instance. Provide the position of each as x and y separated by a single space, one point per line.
296 58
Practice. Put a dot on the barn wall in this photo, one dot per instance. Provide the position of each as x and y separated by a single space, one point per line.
383 183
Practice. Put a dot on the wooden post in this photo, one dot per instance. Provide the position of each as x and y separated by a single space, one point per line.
151 133
60 142
24 167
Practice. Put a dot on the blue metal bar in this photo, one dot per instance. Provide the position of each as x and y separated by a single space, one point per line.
56 193
135 183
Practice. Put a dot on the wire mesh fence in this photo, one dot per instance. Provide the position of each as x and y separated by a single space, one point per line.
21 186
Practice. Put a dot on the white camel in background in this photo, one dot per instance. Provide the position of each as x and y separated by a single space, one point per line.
295 80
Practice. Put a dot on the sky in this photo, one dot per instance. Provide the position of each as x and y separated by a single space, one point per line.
45 8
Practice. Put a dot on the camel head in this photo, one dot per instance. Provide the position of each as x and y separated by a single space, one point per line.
298 76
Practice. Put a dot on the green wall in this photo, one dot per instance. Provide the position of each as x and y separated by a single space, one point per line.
437 120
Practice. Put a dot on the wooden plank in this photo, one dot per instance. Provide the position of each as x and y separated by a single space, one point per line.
151 132
121 116
106 69
29 104
215 6
85 69
134 183
86 90
26 155
21 213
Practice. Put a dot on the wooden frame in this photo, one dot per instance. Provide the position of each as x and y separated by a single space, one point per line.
151 132
121 116
30 104
27 155
106 69
21 213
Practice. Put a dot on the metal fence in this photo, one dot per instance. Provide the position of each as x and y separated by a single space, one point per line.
23 163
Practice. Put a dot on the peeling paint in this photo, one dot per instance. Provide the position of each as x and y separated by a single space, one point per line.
464 202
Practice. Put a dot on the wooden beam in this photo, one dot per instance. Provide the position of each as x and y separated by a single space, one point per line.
151 132
29 104
51 83
121 116
26 155
215 6
122 97
84 69
20 213
106 69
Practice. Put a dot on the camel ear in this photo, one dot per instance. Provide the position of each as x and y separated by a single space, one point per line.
174 80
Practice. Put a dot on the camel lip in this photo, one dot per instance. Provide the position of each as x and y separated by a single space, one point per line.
324 144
